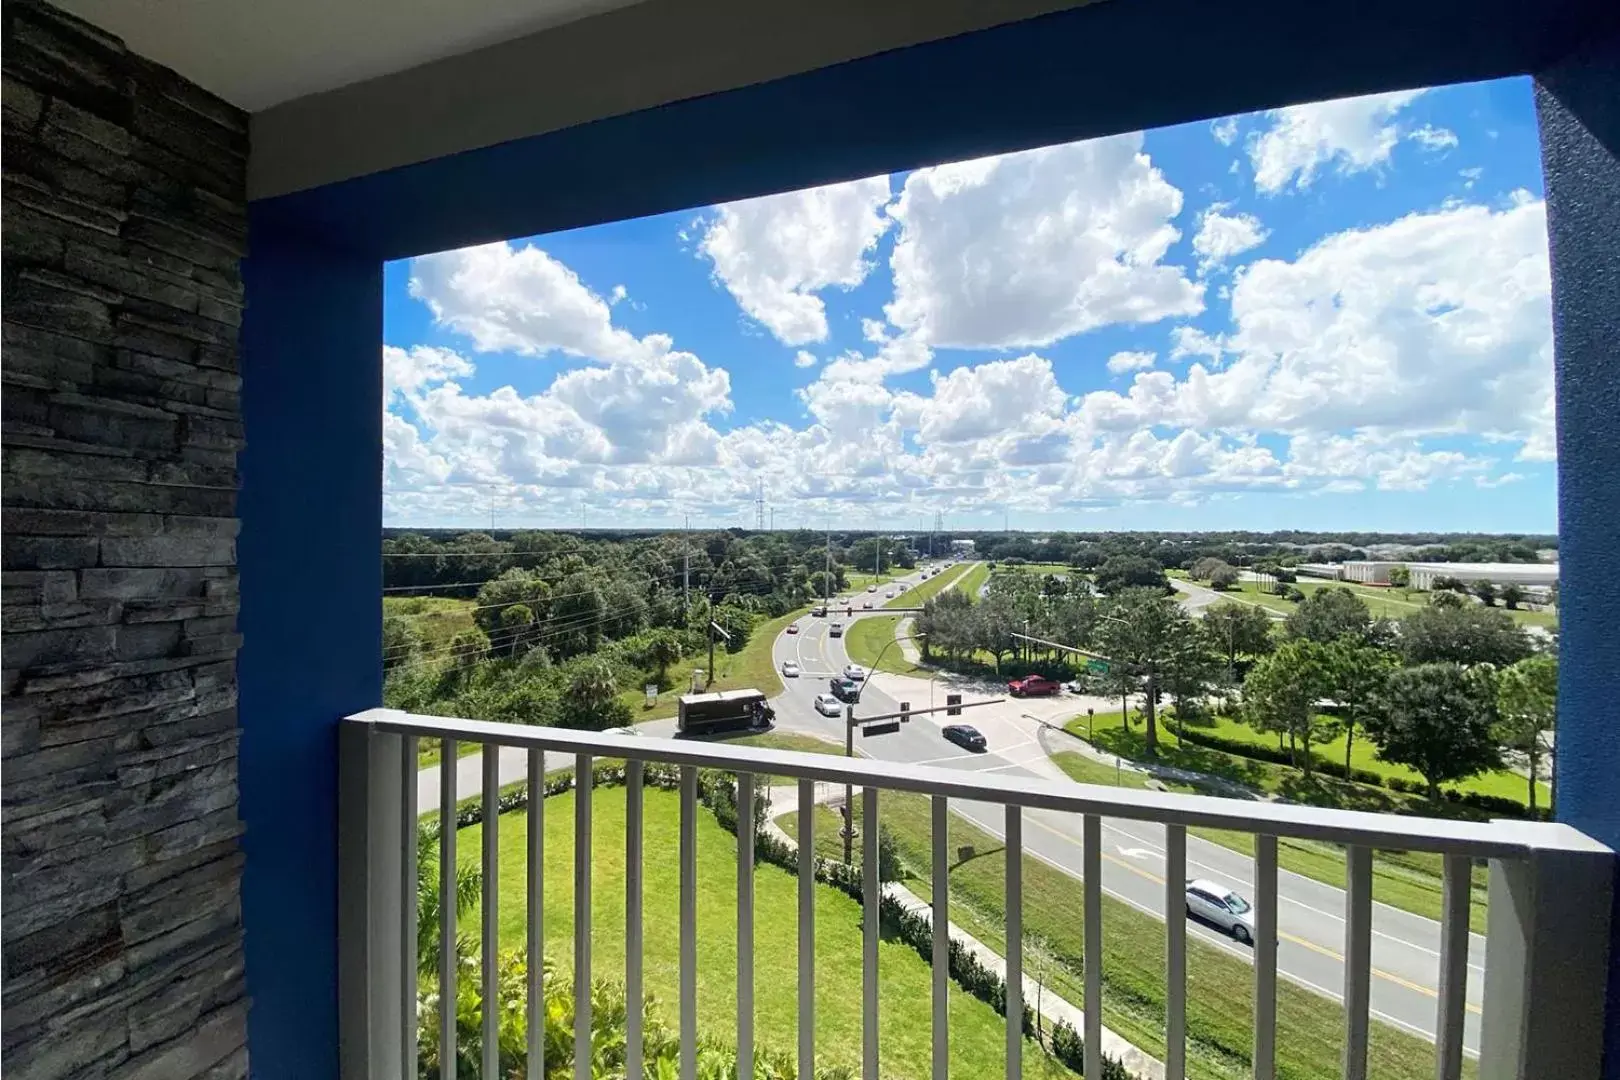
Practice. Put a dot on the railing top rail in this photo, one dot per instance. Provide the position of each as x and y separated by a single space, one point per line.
1495 839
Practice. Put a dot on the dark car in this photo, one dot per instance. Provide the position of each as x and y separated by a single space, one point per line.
964 735
844 689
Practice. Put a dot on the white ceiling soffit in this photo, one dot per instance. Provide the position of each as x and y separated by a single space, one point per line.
259 53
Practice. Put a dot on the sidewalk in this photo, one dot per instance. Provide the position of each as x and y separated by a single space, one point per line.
785 800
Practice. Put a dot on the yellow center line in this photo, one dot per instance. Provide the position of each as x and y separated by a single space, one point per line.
1313 946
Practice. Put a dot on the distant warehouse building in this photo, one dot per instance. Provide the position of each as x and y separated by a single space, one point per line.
1528 575
1331 571
1368 572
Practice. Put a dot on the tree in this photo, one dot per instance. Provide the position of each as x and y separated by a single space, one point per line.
1467 634
1446 599
1191 664
1139 631
469 886
1436 719
1239 629
1400 576
1511 595
516 586
590 697
576 616
1223 578
663 649
1206 568
1357 673
1330 614
1526 708
1485 591
1282 692
1128 572
400 640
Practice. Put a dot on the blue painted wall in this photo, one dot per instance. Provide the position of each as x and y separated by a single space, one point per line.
311 508
1578 102
311 474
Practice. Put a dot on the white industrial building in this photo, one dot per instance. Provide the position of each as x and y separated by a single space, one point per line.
962 547
1369 572
1529 575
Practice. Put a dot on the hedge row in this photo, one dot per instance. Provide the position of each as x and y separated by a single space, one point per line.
717 791
1494 804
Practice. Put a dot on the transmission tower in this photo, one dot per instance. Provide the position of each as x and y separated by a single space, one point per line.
759 507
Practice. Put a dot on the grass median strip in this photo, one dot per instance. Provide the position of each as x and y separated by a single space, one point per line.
976 1033
1220 1016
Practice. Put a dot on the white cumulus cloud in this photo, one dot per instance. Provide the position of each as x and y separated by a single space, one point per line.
1029 248
1222 235
774 254
1122 362
1354 134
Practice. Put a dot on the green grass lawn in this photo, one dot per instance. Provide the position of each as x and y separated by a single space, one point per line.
1503 783
1219 1001
858 580
750 668
865 638
975 577
976 1032
1250 592
917 595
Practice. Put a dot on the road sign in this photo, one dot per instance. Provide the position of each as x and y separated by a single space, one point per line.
880 729
1097 667
651 690
954 701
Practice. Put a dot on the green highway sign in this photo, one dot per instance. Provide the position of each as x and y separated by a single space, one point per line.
1097 667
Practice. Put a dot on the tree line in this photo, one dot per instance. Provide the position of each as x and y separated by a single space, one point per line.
1444 691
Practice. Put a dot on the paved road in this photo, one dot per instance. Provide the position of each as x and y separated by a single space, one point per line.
1310 918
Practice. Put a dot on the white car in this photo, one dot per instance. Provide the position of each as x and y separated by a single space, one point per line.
1222 907
889 595
620 731
855 672
827 705
871 588
790 669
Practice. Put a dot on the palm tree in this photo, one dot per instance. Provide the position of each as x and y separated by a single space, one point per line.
469 886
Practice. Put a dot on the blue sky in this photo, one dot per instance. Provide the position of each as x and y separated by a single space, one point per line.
1331 316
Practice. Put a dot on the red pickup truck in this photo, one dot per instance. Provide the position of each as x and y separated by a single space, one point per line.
1032 686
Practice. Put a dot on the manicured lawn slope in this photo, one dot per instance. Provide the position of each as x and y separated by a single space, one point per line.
976 1032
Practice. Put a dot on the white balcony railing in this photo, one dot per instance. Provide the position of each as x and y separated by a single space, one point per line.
1548 933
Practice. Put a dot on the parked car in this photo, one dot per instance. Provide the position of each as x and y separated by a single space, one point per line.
964 735
1032 686
793 628
790 669
855 672
827 705
844 689
1222 907
1075 687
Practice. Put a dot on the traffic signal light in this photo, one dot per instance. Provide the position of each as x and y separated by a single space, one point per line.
953 703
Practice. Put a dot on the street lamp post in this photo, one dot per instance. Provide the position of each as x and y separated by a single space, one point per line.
849 748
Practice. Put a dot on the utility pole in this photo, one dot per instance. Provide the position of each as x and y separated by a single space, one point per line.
686 567
827 582
849 789
492 510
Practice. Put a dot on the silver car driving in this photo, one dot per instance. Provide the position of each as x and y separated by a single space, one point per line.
1221 907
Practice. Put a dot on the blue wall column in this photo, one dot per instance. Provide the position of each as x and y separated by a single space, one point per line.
311 509
1578 103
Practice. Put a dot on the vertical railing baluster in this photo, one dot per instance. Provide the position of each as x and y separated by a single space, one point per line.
807 928
1014 888
447 909
1357 959
871 901
1456 895
535 943
1265 957
583 785
942 939
688 965
634 1005
1092 960
408 956
490 872
1175 952
745 926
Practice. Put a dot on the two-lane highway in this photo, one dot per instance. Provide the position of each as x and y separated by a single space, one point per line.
1405 948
